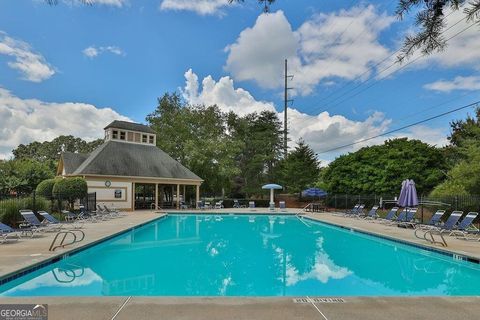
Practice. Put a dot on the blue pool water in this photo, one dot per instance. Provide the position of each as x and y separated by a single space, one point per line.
188 255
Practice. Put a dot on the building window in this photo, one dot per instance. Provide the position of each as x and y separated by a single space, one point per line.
151 139
137 137
144 138
122 135
115 134
129 136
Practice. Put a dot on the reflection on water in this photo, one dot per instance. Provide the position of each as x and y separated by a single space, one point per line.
246 256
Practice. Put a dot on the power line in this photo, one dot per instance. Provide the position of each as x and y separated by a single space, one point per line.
402 128
381 71
376 81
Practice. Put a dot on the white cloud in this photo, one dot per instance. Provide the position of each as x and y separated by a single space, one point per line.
32 65
223 94
322 132
93 51
115 3
27 120
201 7
459 83
320 49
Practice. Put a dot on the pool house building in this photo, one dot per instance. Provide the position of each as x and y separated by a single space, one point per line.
129 172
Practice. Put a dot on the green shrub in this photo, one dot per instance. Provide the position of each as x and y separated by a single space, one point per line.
447 189
9 211
41 204
70 189
45 188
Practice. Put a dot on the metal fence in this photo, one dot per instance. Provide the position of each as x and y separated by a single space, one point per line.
428 205
10 206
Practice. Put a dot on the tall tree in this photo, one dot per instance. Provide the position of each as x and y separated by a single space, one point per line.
300 169
22 176
381 169
50 150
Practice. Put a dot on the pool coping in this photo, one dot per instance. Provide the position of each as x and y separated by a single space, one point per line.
452 254
36 266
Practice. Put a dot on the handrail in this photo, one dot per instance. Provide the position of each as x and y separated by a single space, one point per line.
65 234
428 236
308 205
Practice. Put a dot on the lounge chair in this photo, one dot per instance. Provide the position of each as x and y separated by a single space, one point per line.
219 204
391 216
448 226
372 214
7 233
236 204
32 222
409 219
352 211
114 211
52 220
358 212
183 205
466 226
433 222
103 214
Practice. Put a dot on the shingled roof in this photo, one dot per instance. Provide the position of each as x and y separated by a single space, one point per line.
71 161
131 126
115 158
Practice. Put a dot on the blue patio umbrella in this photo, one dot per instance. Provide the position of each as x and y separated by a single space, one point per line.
408 194
314 192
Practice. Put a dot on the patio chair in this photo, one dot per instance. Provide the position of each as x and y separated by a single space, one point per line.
200 205
433 222
351 211
219 204
448 226
32 222
372 214
357 212
466 226
282 206
183 205
236 204
103 214
7 233
114 211
391 216
251 204
409 219
52 220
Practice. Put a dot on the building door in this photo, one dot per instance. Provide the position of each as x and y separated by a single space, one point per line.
144 196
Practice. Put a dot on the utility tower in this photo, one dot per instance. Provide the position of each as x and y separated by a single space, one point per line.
286 102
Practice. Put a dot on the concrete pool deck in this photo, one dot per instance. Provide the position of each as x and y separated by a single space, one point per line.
26 252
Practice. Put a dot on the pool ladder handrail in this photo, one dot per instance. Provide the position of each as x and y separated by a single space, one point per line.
65 234
428 235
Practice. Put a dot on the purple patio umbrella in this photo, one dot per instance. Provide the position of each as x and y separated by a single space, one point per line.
408 195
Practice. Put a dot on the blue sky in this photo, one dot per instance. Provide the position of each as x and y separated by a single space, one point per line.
71 68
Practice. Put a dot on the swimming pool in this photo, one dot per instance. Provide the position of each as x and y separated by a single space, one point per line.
237 255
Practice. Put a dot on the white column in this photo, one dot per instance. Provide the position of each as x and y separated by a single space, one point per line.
178 196
197 195
156 196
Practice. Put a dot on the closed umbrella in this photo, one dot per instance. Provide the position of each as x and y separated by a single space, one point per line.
272 187
408 195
